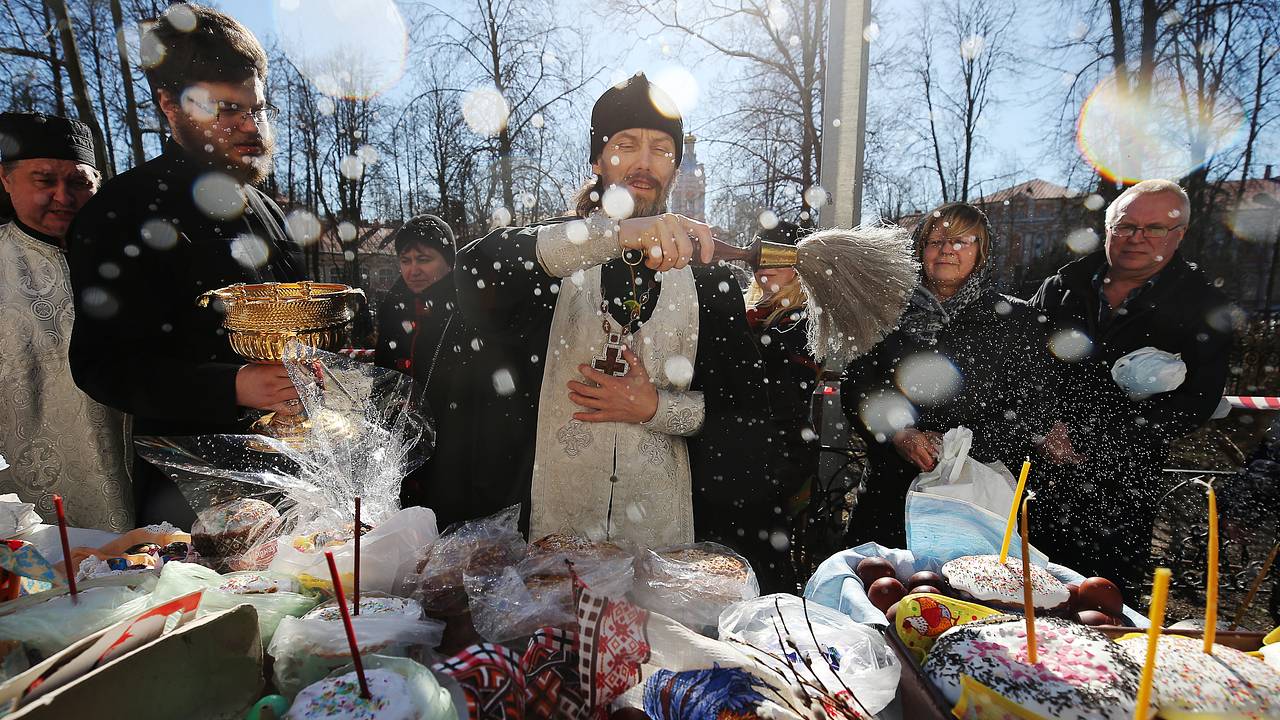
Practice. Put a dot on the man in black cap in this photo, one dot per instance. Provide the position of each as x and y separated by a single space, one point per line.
56 439
641 393
161 234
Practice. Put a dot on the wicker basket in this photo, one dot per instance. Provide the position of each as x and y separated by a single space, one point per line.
261 318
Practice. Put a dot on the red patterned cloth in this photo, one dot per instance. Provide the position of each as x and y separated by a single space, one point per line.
612 644
491 679
550 665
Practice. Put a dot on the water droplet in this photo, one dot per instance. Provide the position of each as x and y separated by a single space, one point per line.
1094 202
768 220
577 231
485 111
250 251
1082 241
351 167
99 303
346 231
618 203
815 196
503 383
927 378
218 196
871 32
1070 345
159 234
679 370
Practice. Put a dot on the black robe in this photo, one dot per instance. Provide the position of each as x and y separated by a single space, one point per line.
736 501
141 251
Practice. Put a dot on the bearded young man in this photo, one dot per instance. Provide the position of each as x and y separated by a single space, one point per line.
158 236
642 401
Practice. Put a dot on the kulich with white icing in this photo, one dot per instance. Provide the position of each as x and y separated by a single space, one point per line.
340 698
251 583
983 577
370 606
1192 684
1080 674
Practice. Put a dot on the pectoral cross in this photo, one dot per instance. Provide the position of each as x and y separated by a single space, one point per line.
611 361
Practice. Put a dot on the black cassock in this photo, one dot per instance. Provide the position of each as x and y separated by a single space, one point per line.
736 500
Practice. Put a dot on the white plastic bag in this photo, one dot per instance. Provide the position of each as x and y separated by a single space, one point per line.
961 506
180 578
1149 371
387 552
841 652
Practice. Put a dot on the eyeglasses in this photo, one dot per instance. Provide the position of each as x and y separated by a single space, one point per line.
233 114
963 241
1151 231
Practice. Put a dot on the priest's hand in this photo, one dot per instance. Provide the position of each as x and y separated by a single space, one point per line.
267 387
668 241
631 398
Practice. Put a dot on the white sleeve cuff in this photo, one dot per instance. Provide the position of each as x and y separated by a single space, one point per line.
567 247
679 413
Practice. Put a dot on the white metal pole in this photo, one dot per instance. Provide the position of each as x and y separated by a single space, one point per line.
844 111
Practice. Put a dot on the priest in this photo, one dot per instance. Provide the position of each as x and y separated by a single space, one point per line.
54 438
643 395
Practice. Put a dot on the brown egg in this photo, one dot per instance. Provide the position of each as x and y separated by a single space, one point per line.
1095 618
874 568
1073 596
885 592
926 589
924 577
892 613
1098 593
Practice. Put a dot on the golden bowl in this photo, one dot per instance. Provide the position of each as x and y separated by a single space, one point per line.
260 319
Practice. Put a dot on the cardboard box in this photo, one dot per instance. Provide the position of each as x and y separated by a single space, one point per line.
209 668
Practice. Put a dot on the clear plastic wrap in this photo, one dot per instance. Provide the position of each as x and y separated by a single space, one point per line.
366 431
693 583
49 626
1149 371
842 653
307 649
537 592
273 596
480 547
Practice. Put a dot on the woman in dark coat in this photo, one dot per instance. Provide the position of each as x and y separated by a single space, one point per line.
963 354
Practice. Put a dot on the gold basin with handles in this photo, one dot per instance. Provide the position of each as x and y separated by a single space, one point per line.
261 318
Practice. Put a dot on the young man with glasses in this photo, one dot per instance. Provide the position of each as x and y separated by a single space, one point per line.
1097 509
159 235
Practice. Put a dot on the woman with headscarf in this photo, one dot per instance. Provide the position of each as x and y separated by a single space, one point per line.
963 354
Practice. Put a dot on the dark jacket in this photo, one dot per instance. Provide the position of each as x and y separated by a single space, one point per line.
463 478
1098 516
141 251
1181 313
996 349
734 496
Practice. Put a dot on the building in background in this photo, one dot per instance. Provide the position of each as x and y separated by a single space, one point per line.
689 196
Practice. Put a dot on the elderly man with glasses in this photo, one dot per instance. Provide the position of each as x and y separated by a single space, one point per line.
1098 505
159 235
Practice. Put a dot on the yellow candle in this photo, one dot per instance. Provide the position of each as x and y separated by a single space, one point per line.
1028 602
1159 596
1013 510
1211 592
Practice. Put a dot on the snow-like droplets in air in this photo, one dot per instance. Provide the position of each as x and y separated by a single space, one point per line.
679 370
250 251
351 167
501 217
1094 202
485 110
303 227
503 383
576 231
768 220
99 303
218 196
159 234
618 203
972 46
815 197
927 378
347 48
1070 345
1082 241
886 413
871 32
346 231
680 86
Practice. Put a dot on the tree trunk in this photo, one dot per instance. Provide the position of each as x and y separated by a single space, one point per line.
131 118
79 90
55 65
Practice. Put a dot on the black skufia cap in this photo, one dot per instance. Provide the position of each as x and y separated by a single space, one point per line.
26 136
636 103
